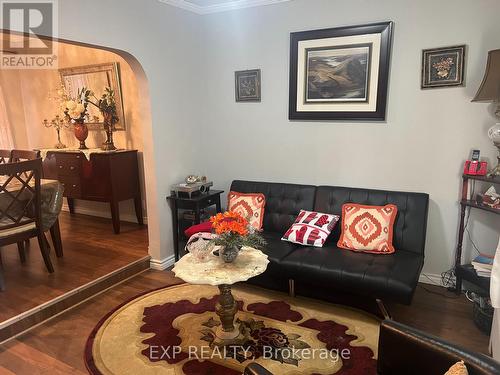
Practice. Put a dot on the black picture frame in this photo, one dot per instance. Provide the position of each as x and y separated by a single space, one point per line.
385 29
455 74
252 78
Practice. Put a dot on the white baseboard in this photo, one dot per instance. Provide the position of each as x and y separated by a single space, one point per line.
430 278
162 264
107 215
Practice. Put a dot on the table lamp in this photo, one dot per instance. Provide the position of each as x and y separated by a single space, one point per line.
490 91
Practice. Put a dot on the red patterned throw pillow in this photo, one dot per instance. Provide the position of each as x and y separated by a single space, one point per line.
311 228
250 206
368 228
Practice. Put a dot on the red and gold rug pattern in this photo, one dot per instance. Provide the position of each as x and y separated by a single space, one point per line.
173 331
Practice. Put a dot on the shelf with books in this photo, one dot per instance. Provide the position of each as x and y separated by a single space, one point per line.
467 271
483 264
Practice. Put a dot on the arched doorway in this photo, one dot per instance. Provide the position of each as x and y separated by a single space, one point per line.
28 103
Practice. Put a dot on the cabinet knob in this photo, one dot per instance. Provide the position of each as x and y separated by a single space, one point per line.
60 167
74 186
72 168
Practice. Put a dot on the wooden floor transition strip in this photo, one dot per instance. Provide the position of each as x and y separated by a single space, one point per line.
31 318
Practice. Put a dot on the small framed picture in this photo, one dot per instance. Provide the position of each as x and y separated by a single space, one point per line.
247 85
442 67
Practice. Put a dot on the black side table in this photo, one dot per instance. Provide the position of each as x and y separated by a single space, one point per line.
196 204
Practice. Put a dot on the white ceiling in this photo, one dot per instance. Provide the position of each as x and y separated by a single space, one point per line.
214 6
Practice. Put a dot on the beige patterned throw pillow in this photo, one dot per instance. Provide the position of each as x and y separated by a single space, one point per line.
458 368
250 206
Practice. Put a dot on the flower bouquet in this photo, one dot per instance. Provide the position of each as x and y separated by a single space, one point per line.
233 232
75 112
107 106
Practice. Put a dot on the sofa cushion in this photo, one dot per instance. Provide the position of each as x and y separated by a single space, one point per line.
283 201
393 275
206 226
276 249
311 228
411 221
249 205
276 276
368 228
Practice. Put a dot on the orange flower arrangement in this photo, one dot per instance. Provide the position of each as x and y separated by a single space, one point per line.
233 232
229 222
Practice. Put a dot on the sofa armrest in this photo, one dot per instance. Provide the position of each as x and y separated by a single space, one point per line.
405 350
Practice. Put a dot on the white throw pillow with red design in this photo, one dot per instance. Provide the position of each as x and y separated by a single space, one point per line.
311 228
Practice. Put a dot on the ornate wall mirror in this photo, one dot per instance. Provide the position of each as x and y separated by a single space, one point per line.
95 78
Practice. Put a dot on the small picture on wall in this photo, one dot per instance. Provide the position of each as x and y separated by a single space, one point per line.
248 85
442 67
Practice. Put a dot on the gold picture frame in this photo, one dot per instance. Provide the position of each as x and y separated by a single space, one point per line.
95 77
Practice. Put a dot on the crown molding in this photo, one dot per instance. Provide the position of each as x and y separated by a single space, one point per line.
223 7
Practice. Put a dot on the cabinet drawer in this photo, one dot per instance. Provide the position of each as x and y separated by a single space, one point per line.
72 187
69 165
210 201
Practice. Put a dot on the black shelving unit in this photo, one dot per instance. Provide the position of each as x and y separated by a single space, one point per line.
466 271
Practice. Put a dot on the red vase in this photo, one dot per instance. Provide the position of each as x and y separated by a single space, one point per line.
81 133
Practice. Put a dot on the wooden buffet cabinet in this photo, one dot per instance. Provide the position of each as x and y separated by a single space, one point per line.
107 177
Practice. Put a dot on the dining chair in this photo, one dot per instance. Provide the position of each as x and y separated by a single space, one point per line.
20 205
55 233
23 155
5 156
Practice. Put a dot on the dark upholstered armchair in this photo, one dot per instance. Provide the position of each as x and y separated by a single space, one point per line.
404 350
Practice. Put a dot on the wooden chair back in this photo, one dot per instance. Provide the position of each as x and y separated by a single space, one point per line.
5 156
20 194
22 155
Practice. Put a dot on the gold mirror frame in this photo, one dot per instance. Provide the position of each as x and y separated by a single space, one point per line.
113 77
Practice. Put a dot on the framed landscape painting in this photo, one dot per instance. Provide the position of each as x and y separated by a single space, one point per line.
340 73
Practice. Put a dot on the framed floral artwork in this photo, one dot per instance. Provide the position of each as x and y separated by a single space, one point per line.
247 84
443 67
340 73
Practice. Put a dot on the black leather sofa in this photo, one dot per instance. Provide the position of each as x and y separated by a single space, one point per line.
405 350
324 272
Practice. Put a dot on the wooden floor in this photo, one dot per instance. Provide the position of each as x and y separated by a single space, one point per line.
56 347
91 250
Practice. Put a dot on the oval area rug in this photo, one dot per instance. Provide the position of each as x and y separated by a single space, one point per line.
172 331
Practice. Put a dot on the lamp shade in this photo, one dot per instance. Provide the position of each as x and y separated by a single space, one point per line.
490 87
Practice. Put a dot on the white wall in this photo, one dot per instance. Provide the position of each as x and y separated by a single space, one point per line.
165 41
421 146
190 60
